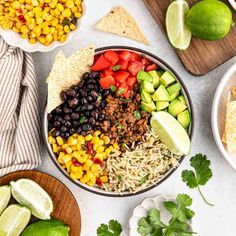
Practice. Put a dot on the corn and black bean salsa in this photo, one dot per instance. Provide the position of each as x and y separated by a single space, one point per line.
41 21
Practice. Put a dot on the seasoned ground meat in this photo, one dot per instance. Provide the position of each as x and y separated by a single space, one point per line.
124 122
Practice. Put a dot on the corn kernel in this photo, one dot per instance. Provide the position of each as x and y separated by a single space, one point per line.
69 150
51 140
78 146
101 142
72 141
116 146
89 174
84 179
88 137
95 147
99 156
72 27
73 176
78 174
68 165
32 41
59 140
70 3
104 179
95 140
100 149
97 133
106 139
76 168
63 38
82 159
24 29
66 13
77 15
60 7
60 158
87 165
76 154
66 28
16 4
66 158
54 22
54 148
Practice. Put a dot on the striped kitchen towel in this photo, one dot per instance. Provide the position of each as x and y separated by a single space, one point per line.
19 111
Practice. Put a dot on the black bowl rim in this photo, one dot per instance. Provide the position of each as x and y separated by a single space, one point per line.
108 194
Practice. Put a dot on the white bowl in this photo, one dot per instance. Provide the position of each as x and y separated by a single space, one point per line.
14 39
143 209
233 4
219 111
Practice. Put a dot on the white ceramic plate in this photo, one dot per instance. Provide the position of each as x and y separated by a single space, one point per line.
143 209
14 39
219 111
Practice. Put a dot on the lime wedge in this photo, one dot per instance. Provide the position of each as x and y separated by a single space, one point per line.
5 193
13 220
171 133
31 195
177 29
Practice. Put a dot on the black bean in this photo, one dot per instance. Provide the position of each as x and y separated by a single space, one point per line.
103 104
71 92
72 131
57 124
83 93
94 114
50 126
79 109
67 117
75 123
91 121
94 75
67 135
90 98
75 115
83 133
63 129
50 117
60 119
90 87
67 110
86 127
73 102
84 101
58 110
56 133
85 76
63 96
79 130
101 117
88 107
68 124
63 122
91 81
94 94
106 92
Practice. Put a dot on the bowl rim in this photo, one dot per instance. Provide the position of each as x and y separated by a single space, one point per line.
214 115
233 4
171 171
38 47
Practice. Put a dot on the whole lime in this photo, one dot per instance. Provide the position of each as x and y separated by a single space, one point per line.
210 20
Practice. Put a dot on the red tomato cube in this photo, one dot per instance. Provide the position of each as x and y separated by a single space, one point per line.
151 67
123 64
107 81
101 63
145 61
112 57
135 67
121 76
131 81
135 57
125 55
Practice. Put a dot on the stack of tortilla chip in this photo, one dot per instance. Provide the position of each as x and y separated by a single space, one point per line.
67 72
229 137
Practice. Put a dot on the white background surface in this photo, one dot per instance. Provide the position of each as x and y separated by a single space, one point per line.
221 190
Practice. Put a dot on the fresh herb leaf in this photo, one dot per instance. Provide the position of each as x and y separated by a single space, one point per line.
121 91
124 145
119 126
113 88
99 99
116 68
127 100
82 119
202 173
119 177
112 229
155 219
143 180
144 227
137 115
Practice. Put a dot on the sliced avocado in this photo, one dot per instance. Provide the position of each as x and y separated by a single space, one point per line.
155 78
184 118
161 94
176 107
161 105
146 97
174 88
174 95
144 76
167 78
148 106
160 73
182 99
148 86
166 110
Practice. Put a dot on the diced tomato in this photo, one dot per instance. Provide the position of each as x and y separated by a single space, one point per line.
112 57
122 88
101 63
135 67
125 55
151 67
134 57
121 76
107 72
90 148
145 61
123 64
99 182
107 81
75 162
98 161
96 58
131 81
127 94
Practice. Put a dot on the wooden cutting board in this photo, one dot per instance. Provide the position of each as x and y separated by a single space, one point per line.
202 56
65 205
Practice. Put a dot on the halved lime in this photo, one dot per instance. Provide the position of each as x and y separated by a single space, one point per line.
31 195
170 132
177 30
5 195
13 220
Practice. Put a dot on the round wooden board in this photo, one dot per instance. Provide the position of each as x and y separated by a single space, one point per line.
65 205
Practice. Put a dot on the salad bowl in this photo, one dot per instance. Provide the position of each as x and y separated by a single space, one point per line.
161 64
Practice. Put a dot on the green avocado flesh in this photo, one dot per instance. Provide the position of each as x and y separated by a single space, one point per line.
53 227
184 118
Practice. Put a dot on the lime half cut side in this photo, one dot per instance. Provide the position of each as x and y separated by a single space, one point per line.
177 30
5 195
171 133
13 220
28 193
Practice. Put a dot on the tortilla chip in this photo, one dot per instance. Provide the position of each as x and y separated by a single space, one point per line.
233 91
67 72
230 127
119 21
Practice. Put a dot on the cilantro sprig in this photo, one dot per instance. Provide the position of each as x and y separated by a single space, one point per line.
177 225
113 228
201 174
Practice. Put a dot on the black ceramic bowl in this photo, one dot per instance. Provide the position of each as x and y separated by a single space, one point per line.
161 64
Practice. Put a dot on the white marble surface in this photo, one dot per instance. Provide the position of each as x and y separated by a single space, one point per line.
221 190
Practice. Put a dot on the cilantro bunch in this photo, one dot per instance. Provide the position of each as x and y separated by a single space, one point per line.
112 229
178 225
201 174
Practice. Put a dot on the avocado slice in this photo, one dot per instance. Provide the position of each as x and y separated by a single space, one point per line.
144 76
174 95
182 99
161 94
174 88
161 105
148 106
176 107
184 118
167 78
146 97
148 86
160 73
155 78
